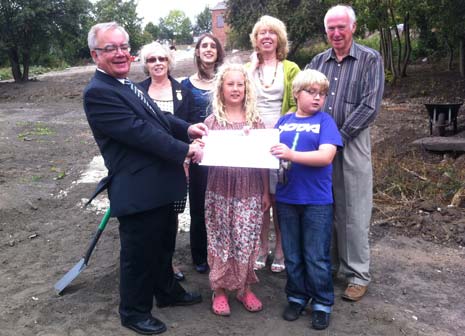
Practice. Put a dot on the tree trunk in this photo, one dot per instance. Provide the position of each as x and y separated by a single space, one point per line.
389 62
399 42
294 48
26 62
407 45
462 56
450 51
382 46
14 62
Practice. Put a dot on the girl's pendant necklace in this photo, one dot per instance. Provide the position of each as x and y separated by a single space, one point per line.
261 76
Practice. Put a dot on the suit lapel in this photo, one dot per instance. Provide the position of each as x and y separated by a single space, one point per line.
158 115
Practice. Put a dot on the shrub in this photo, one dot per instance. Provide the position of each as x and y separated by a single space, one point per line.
304 55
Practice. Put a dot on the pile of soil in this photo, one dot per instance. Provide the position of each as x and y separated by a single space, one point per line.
46 145
414 188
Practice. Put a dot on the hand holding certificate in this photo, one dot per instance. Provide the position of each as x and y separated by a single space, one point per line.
231 148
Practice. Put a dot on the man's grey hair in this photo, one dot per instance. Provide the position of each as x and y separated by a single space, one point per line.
338 9
92 36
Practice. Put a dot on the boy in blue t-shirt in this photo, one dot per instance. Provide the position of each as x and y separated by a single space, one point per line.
309 140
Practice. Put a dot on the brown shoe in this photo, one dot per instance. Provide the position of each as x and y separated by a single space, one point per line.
354 292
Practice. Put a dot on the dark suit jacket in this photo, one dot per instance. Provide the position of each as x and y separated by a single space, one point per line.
143 152
182 97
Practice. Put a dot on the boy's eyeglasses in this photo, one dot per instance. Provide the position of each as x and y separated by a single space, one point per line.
315 93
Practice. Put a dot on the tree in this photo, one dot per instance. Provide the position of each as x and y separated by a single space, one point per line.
440 27
30 27
125 13
241 16
176 26
153 30
204 22
448 19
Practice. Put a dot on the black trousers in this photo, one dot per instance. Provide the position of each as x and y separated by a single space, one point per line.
147 244
198 234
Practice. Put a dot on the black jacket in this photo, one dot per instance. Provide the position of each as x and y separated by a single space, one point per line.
143 151
182 97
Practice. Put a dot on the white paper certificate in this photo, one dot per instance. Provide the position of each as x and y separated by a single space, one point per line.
232 148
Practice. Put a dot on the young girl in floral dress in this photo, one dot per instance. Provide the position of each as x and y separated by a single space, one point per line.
235 198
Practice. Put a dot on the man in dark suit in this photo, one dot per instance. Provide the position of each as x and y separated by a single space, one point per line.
143 150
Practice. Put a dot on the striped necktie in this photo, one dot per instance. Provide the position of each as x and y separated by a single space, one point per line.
159 116
139 94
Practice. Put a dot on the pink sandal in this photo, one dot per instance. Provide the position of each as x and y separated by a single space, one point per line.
250 302
220 305
278 265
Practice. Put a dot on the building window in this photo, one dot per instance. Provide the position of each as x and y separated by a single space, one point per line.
219 21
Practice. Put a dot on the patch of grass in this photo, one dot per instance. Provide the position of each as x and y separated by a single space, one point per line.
5 72
412 177
60 174
34 129
36 178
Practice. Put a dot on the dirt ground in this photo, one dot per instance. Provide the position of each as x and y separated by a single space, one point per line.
418 259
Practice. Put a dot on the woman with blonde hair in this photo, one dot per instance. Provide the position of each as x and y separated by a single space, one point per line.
272 75
235 198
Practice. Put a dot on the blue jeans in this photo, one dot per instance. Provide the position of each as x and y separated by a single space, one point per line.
306 239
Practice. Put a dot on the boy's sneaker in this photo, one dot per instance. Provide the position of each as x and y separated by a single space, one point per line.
292 311
320 319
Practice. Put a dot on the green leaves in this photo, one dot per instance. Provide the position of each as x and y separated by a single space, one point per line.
176 26
30 28
204 22
125 13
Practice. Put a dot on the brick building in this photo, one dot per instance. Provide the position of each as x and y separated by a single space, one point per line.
219 26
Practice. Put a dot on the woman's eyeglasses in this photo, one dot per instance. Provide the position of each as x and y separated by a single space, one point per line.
153 59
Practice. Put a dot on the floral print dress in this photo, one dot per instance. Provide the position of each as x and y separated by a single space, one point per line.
233 218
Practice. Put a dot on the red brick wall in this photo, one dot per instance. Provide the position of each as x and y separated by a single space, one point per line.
218 17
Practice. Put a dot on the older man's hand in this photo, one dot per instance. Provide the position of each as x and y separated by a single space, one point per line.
195 152
197 130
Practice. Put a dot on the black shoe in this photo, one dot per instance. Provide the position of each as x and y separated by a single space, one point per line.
179 276
320 319
292 311
150 326
202 268
187 299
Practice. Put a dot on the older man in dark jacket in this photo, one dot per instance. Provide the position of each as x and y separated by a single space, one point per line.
143 150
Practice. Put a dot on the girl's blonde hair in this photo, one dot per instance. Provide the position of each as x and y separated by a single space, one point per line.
249 104
279 28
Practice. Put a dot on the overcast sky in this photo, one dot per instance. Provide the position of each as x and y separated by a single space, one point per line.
153 10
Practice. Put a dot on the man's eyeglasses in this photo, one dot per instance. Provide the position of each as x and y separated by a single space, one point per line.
113 48
315 93
340 28
153 59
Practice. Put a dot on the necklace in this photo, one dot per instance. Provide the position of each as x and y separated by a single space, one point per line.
205 80
261 76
